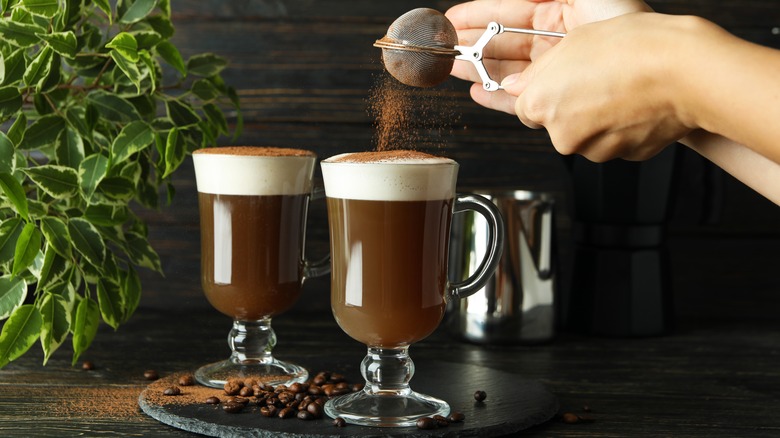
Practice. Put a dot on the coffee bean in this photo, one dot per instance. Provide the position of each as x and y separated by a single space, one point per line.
186 380
339 422
87 366
268 411
172 390
266 387
337 378
319 380
480 396
314 409
456 417
286 413
233 387
213 400
250 382
151 375
358 387
570 418
296 388
315 390
240 400
441 421
305 415
280 388
426 423
246 391
232 407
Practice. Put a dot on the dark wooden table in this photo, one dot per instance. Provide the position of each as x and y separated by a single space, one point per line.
706 379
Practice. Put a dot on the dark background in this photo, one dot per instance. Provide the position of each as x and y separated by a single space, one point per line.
303 70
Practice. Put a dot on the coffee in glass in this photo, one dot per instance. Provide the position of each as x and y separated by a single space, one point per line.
389 217
253 203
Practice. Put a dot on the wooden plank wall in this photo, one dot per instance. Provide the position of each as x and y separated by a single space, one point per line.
303 70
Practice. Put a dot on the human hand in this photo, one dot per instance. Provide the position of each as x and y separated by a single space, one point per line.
511 53
609 89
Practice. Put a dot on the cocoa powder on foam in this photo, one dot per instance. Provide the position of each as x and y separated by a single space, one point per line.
255 151
390 155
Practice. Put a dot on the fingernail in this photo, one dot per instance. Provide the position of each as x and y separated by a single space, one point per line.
509 80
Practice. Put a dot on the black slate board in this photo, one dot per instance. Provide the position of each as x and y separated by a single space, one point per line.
513 404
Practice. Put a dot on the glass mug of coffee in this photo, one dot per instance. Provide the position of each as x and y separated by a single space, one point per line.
253 205
389 216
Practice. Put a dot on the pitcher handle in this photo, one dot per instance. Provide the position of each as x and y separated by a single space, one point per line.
480 277
319 267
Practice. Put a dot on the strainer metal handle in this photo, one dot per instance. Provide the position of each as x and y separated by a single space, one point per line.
473 54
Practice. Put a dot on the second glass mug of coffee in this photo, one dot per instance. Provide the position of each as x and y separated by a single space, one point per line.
389 221
253 205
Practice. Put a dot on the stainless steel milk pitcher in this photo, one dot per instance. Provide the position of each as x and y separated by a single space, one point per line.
518 304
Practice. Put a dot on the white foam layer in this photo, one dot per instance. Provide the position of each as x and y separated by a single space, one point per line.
253 175
390 180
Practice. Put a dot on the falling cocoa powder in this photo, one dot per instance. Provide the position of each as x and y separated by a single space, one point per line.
410 118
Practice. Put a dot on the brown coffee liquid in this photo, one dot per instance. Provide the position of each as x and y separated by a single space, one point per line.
389 268
251 252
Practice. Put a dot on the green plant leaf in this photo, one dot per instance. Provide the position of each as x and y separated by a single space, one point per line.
181 113
7 154
118 188
19 333
216 117
174 151
20 34
206 64
10 102
137 11
110 303
141 252
27 248
133 138
44 8
106 215
91 171
15 193
84 327
10 230
39 68
105 6
13 291
146 39
171 55
131 290
42 132
69 148
64 43
55 323
161 25
53 269
113 107
125 45
14 66
87 241
56 233
17 130
205 90
59 182
129 69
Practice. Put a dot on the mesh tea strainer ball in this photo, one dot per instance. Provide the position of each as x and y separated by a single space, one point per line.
420 48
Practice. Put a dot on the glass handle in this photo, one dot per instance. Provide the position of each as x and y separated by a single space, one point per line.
319 267
489 211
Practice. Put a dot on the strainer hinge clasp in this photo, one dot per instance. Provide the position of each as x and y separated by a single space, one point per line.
473 54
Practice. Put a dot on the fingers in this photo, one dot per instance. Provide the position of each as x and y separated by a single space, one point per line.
497 70
496 100
477 14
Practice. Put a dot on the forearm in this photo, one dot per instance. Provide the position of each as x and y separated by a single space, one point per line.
750 167
731 87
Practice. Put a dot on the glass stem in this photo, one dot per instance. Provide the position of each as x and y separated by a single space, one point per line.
387 371
252 341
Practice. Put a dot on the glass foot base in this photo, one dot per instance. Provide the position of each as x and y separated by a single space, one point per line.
273 373
385 410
